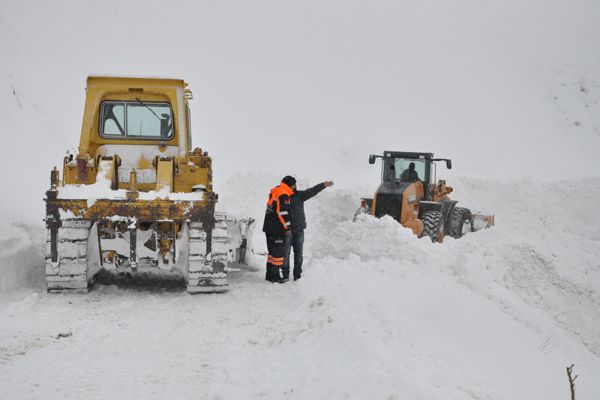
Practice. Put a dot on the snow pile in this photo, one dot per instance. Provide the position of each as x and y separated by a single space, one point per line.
544 249
377 314
543 252
534 274
497 314
21 257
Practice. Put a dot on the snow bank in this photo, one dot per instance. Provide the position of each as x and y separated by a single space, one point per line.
21 257
544 249
378 313
382 314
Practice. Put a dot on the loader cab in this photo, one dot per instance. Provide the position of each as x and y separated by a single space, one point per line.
396 166
407 179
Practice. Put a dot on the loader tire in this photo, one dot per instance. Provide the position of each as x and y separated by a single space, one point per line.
432 225
461 222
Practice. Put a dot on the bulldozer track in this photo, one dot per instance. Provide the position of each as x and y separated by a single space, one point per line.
69 272
208 259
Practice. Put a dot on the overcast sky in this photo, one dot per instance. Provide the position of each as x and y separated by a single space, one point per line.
508 90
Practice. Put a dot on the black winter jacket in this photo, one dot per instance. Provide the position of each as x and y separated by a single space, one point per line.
278 213
297 205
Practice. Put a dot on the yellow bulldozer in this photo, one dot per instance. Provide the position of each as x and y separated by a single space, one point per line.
410 194
135 196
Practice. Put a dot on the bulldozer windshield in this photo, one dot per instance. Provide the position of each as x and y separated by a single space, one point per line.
125 119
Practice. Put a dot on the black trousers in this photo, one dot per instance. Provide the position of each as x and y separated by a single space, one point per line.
296 242
276 257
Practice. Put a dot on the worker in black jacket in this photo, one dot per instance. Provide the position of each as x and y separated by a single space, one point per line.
296 240
277 226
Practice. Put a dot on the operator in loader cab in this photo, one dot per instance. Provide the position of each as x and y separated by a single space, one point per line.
409 175
277 227
296 240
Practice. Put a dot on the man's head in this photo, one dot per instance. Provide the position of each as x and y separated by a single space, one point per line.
290 181
411 166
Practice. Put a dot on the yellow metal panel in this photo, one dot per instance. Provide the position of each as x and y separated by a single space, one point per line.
164 175
189 176
410 202
144 164
71 174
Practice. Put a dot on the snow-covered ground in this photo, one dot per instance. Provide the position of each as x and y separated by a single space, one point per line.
379 314
509 90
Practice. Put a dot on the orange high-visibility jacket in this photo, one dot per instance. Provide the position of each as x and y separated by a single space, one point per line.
277 215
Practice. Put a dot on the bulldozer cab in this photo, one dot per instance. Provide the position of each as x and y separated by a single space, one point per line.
135 111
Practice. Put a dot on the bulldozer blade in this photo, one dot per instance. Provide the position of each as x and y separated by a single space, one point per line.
482 221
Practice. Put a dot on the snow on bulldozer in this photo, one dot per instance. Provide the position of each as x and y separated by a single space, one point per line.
410 194
135 197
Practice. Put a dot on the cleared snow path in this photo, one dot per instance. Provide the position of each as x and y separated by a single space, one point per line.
134 344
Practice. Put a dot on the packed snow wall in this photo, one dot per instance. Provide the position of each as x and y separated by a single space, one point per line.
21 257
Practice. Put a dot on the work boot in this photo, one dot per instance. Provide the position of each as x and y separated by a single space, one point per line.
273 275
277 276
297 274
269 275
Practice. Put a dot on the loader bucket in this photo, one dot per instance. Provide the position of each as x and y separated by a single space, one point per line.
482 221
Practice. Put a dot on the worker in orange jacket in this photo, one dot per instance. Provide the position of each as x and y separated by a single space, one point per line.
277 226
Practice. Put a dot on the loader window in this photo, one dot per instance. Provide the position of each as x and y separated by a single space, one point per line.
401 167
137 119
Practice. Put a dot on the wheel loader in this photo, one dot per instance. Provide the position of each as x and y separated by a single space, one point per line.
410 194
135 197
